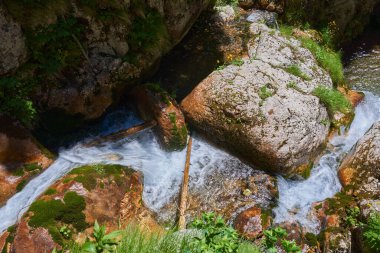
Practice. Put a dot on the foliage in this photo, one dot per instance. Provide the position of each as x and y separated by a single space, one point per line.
372 232
102 243
66 232
21 185
352 218
218 237
14 99
237 62
296 71
273 235
226 2
333 100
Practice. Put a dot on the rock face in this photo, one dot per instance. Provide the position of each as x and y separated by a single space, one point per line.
159 106
347 18
105 54
262 108
361 168
110 194
13 50
21 157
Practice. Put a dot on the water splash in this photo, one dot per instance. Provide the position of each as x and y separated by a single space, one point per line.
296 197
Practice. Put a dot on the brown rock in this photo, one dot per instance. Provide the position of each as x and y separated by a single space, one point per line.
32 241
3 240
355 97
294 231
156 104
18 148
249 223
346 175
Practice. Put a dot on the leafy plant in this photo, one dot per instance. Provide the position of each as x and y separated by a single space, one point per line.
102 243
352 217
218 237
272 236
290 246
372 232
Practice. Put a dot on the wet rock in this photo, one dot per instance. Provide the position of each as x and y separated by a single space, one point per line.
294 231
21 157
110 194
360 170
13 51
355 97
250 224
259 110
158 105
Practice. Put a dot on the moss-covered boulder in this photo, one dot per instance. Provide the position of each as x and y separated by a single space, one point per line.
110 194
21 157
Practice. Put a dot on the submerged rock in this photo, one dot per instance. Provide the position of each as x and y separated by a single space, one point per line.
21 157
262 108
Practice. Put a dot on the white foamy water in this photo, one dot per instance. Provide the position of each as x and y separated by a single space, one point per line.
296 197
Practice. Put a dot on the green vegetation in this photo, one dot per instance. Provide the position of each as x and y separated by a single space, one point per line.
372 232
50 213
333 100
50 191
88 175
272 236
237 62
326 57
296 71
21 185
225 2
352 218
265 93
179 135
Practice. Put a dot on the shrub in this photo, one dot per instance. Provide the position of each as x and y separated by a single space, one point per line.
372 232
333 100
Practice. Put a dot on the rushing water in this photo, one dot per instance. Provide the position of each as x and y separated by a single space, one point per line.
296 197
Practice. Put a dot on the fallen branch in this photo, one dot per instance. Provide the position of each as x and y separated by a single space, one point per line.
121 134
184 190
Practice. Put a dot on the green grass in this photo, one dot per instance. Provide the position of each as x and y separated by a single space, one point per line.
333 100
265 93
136 240
296 71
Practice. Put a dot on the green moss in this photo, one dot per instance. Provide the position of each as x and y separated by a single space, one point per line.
179 135
333 100
296 71
19 172
311 239
88 175
264 92
48 213
21 185
50 191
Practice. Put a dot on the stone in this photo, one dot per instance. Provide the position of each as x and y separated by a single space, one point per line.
18 148
13 51
259 110
249 223
264 17
224 13
361 167
159 106
338 241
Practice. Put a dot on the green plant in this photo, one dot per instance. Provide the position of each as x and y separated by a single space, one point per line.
21 185
352 218
296 71
333 100
217 236
237 62
290 247
264 92
372 232
65 232
272 236
102 243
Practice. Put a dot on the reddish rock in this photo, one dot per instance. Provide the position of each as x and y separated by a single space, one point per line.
155 104
3 240
249 223
32 241
294 231
346 175
18 148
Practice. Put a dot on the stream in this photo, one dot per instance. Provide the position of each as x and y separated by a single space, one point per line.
163 170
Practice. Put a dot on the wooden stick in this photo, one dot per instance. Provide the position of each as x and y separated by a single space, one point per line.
185 186
121 134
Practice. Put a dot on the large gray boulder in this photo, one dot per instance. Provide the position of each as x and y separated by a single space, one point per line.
261 111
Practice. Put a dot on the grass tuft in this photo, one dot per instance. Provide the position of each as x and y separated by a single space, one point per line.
296 71
333 100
